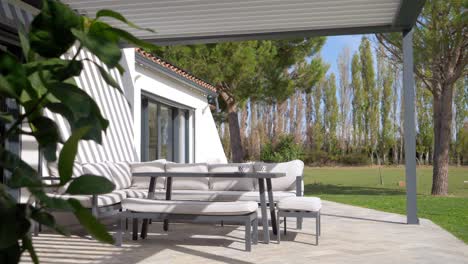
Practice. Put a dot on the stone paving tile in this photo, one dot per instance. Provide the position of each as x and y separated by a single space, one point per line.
349 235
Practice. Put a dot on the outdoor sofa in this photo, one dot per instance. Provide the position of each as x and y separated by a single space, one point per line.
183 189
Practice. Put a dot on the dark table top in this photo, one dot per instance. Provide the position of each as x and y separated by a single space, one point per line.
256 175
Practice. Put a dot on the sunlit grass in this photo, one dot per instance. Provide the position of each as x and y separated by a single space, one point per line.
361 186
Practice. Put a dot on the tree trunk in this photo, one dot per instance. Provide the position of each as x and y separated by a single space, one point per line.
234 134
442 135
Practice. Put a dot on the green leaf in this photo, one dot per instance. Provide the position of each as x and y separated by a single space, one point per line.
120 17
55 69
50 33
47 219
13 221
47 135
90 223
6 117
25 46
27 244
22 173
12 254
101 42
68 153
13 79
82 110
90 184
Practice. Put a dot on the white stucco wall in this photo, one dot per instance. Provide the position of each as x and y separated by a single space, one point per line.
207 144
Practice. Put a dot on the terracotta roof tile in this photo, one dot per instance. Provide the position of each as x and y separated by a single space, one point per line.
176 70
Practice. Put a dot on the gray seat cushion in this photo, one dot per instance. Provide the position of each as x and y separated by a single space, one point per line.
197 195
189 207
231 184
311 204
112 198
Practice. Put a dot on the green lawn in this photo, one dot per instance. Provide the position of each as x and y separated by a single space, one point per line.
361 186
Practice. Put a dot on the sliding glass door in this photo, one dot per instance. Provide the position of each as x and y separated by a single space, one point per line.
165 131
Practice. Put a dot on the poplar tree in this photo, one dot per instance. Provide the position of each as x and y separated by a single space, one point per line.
330 103
357 104
371 96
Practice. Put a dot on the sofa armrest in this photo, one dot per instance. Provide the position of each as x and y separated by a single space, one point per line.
299 186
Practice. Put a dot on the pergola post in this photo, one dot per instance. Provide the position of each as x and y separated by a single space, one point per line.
410 128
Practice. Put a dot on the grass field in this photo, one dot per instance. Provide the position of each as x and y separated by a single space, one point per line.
361 186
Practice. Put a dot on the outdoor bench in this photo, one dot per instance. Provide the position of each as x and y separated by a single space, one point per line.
196 211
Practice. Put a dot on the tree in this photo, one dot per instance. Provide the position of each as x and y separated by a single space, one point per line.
241 70
386 135
331 117
356 84
371 97
461 113
440 57
345 95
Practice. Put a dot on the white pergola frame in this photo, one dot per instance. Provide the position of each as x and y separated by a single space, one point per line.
403 21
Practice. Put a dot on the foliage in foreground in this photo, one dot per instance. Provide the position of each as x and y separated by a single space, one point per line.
42 79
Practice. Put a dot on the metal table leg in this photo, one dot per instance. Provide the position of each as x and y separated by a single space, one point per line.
144 225
168 197
271 203
266 232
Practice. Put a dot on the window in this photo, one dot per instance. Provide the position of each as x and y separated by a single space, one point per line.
165 131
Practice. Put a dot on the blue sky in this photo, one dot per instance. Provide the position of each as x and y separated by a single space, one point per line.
335 45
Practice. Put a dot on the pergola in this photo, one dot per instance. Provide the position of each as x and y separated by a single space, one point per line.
208 21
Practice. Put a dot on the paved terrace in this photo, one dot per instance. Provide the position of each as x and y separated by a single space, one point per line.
349 235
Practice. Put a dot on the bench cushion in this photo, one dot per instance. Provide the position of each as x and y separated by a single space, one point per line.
148 166
107 199
121 174
231 184
198 195
189 183
189 207
292 169
312 204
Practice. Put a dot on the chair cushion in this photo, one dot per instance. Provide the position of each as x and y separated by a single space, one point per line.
311 204
121 174
52 168
148 166
136 193
292 169
200 195
189 207
231 184
99 169
189 183
107 199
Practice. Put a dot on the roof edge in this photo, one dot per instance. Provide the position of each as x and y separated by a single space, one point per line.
165 67
408 13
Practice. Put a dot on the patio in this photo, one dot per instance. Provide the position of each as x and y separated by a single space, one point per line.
350 235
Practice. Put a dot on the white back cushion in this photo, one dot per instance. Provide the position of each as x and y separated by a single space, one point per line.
149 166
52 168
121 174
292 169
189 183
99 169
231 184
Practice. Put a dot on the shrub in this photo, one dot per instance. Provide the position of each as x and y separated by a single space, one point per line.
354 159
285 149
